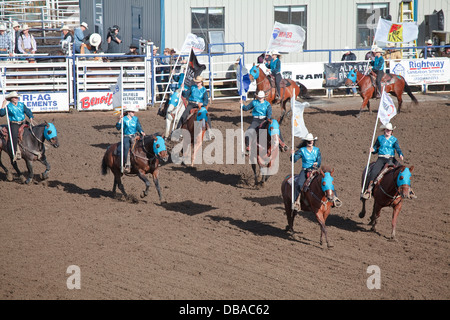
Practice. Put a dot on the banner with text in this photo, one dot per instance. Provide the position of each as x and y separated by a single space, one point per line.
103 100
336 73
423 71
46 102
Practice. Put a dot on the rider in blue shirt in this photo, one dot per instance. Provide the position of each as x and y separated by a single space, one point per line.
386 146
311 159
275 69
16 114
378 67
261 110
131 127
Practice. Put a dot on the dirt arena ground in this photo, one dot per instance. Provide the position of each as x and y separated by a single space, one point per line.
218 237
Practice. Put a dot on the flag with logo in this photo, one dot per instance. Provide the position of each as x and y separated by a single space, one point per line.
116 90
386 110
193 42
298 123
388 31
287 38
194 69
243 79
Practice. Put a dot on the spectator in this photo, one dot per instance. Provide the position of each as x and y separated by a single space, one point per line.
349 56
68 38
446 52
27 43
371 55
15 36
6 46
114 40
431 52
79 36
132 51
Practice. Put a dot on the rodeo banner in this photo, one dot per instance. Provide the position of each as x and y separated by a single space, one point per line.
336 73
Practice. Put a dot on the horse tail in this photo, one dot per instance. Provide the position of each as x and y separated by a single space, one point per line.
303 91
104 165
409 92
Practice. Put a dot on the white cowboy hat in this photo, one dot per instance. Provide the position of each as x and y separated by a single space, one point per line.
2 27
198 79
11 95
65 28
430 41
84 24
373 48
25 27
275 52
130 109
309 137
261 94
155 48
15 24
95 39
388 127
346 49
378 49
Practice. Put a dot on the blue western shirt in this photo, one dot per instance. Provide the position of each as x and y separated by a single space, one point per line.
131 126
387 146
378 63
260 109
308 158
198 95
16 113
274 66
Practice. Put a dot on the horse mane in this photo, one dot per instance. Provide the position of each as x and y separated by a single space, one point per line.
326 168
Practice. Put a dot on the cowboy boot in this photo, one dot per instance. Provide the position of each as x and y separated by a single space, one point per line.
297 206
368 193
18 155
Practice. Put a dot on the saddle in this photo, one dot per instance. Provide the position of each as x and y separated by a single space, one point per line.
4 132
283 83
310 175
387 167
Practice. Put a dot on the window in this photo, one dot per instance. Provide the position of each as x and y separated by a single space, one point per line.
367 16
292 15
209 24
98 17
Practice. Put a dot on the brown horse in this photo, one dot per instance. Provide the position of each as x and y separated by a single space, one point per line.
287 88
264 151
145 158
318 198
394 84
392 188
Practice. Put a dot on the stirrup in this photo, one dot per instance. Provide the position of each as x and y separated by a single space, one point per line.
366 195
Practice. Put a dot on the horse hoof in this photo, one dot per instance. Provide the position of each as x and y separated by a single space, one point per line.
330 245
28 181
392 239
163 201
9 177
44 176
144 194
362 214
23 179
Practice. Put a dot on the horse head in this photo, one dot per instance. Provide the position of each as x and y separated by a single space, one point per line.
254 73
51 134
327 185
351 78
404 183
159 148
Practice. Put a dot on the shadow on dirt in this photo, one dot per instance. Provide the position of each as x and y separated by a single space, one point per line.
187 207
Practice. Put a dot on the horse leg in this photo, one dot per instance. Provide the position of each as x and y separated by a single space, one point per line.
375 215
16 167
143 177
158 188
325 216
283 113
256 175
118 183
30 171
395 214
365 102
323 230
400 101
9 176
44 175
362 214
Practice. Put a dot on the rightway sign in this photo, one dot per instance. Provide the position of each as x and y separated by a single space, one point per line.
423 71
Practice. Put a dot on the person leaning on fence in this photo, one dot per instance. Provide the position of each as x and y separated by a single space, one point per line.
347 55
67 39
6 46
131 127
79 36
431 52
386 146
275 69
15 36
27 43
16 114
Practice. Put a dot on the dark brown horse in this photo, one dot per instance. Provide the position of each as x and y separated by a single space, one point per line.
32 149
287 88
394 84
394 186
264 151
318 198
145 158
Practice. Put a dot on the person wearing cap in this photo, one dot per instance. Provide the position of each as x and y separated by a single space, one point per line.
347 55
68 38
114 40
16 114
131 127
386 145
79 36
6 45
377 67
132 50
275 69
311 160
15 36
27 43
430 51
261 111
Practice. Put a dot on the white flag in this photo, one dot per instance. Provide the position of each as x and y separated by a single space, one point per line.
386 110
117 92
196 43
388 31
287 38
298 123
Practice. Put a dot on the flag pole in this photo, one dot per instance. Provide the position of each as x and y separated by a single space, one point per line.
182 88
7 118
241 85
121 112
371 144
170 78
292 155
